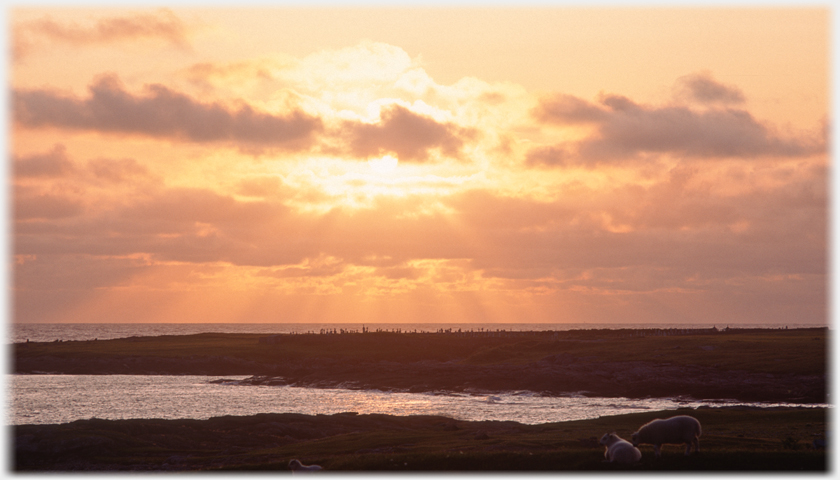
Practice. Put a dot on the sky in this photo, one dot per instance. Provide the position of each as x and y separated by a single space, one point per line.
452 165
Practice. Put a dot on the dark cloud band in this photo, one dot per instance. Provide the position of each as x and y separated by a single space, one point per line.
624 129
406 134
163 112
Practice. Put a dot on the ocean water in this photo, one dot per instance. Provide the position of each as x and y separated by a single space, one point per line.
48 332
52 399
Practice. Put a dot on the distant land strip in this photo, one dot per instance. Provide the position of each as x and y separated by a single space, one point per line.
771 365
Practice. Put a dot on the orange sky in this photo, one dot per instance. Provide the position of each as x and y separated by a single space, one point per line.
424 165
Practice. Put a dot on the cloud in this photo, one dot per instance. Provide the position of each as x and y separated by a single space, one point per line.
179 208
263 186
727 132
551 156
361 65
568 109
702 88
54 163
561 250
408 135
162 25
668 247
485 210
625 129
118 170
162 112
30 204
321 266
763 230
206 74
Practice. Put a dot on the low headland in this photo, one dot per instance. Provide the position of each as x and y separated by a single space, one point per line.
743 364
759 365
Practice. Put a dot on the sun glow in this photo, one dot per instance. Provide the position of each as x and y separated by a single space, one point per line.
384 165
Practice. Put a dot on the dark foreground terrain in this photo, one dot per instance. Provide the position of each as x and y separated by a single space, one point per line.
748 365
734 439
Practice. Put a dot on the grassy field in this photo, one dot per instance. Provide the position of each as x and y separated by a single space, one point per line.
795 351
745 440
733 440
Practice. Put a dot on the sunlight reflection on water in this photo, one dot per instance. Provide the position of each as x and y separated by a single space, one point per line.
43 399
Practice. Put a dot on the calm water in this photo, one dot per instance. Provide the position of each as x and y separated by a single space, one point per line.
47 332
41 399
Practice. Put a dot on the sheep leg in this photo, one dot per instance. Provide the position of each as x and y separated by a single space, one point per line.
688 448
656 451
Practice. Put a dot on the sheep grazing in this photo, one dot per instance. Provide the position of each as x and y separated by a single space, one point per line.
296 466
619 450
674 430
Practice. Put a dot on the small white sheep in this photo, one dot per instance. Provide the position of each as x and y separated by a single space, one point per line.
674 430
296 466
619 450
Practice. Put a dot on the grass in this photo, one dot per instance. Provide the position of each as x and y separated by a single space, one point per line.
750 440
734 440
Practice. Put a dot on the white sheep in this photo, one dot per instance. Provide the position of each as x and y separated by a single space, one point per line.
674 430
619 450
296 466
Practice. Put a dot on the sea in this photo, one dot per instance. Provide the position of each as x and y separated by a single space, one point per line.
55 399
